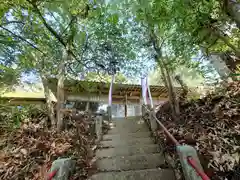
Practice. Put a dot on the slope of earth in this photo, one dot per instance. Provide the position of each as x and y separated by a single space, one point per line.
27 153
212 126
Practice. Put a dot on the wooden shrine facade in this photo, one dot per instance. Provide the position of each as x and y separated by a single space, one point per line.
98 92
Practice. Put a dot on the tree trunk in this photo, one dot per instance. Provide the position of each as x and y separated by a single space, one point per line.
125 105
66 57
50 107
231 62
226 41
173 94
167 85
125 111
184 86
221 63
232 8
166 77
224 37
60 90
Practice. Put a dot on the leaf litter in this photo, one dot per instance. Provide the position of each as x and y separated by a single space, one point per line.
28 152
212 126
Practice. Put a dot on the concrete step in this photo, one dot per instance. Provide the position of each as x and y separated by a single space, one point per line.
128 121
129 150
126 135
129 117
131 122
128 126
125 130
127 142
149 174
135 162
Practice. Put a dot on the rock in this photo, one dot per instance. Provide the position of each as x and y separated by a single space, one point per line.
64 167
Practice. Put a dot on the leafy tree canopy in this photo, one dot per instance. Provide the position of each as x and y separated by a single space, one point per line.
114 36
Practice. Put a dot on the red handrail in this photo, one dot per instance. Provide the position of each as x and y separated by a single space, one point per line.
167 132
52 174
190 160
202 174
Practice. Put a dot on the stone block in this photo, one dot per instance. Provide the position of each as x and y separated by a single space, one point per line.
65 167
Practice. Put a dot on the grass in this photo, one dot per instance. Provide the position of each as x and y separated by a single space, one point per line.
23 94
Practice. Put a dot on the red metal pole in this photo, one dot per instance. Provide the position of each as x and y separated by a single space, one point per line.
202 174
51 175
167 132
190 160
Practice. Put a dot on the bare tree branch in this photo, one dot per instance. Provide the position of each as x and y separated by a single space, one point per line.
50 29
55 18
69 24
22 39
85 47
12 22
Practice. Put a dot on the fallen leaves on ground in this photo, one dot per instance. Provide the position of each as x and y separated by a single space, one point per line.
212 126
28 152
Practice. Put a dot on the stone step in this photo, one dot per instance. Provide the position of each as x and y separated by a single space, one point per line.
149 174
129 150
135 162
128 118
128 128
128 121
126 135
127 142
125 130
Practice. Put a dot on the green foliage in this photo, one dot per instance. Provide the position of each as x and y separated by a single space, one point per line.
183 29
40 28
108 44
11 116
90 82
113 36
119 78
8 77
190 76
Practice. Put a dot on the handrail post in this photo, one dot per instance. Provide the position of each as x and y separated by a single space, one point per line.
143 110
98 126
188 155
184 152
109 112
153 122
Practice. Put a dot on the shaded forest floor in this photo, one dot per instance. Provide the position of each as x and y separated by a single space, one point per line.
28 152
212 126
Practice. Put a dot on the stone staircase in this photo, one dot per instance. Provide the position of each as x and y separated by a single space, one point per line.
128 152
